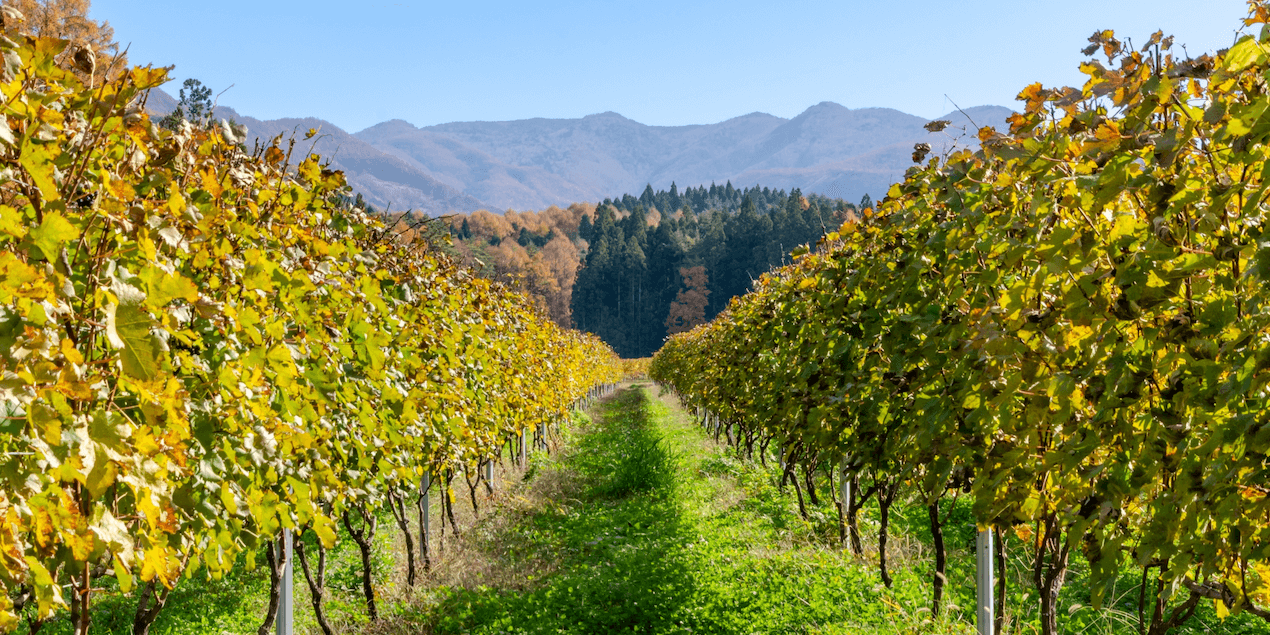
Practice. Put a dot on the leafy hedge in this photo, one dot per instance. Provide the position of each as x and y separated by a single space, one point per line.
1070 324
201 346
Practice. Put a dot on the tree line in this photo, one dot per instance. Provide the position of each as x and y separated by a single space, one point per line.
629 269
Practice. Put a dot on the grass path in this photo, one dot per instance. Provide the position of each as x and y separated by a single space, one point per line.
646 526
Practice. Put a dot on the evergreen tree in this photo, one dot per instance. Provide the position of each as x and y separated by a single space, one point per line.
649 197
194 106
631 274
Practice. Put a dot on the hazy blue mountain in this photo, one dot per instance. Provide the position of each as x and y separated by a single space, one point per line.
470 170
534 163
387 181
530 163
160 103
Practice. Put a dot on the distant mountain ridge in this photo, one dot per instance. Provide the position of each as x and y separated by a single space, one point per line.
536 163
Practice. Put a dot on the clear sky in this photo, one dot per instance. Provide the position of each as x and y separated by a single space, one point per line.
658 62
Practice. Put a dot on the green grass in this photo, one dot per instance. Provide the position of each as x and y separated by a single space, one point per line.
666 533
643 525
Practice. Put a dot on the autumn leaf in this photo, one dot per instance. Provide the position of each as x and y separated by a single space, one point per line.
128 329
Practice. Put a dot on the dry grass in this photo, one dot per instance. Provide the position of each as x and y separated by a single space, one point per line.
485 551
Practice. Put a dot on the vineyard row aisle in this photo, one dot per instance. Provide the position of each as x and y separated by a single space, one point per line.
642 523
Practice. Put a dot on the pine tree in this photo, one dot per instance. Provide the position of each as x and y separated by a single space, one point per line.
649 197
194 106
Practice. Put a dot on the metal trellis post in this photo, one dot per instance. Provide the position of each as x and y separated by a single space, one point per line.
984 614
285 621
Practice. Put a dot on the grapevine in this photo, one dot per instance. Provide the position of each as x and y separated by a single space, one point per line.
1068 324
202 346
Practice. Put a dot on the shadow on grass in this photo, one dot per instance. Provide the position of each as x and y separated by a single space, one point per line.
232 604
618 561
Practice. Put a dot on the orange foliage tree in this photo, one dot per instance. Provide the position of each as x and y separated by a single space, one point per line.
68 20
689 307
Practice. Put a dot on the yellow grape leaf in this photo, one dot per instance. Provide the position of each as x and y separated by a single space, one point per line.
112 531
38 163
176 202
325 529
123 575
155 565
8 619
165 287
47 594
102 475
46 420
54 232
71 354
1222 611
1244 54
228 499
11 221
211 183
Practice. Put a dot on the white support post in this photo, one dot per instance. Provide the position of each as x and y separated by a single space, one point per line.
524 454
844 488
489 471
285 621
985 609
426 486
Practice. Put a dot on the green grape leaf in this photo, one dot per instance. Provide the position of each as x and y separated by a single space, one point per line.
128 329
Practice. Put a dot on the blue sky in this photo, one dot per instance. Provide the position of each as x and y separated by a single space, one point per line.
657 62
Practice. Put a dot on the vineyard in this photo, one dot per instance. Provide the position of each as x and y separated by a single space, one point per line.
204 346
1069 327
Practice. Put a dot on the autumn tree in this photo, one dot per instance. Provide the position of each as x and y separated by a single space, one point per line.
689 307
68 20
561 256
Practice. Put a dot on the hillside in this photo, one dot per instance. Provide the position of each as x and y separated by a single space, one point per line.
536 163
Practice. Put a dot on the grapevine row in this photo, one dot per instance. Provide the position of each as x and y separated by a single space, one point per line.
202 346
1068 325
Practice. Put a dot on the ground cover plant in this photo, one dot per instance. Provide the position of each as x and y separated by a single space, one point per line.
722 549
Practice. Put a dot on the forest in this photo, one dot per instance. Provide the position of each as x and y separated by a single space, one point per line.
620 269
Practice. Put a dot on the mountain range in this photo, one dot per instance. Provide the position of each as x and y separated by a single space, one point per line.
535 163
